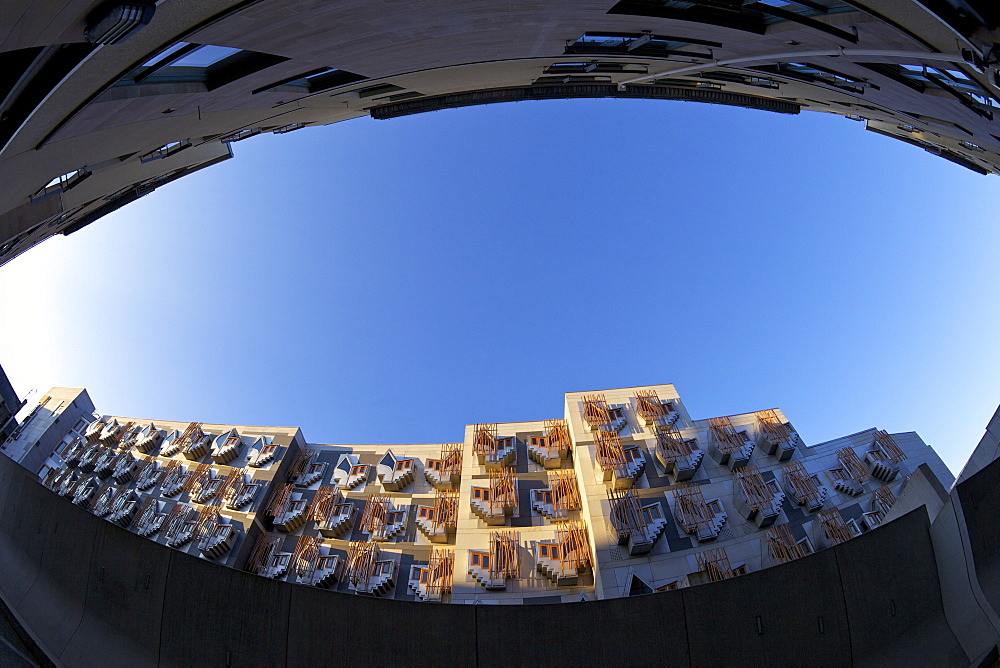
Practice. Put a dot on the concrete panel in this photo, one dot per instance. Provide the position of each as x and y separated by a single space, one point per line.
980 496
125 590
21 557
787 615
217 616
893 596
358 630
53 606
641 630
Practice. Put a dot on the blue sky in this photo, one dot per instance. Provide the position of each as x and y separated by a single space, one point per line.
392 281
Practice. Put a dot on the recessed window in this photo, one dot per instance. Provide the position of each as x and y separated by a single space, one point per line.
62 183
166 150
207 64
313 81
543 550
639 44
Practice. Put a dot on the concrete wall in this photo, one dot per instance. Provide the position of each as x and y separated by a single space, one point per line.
93 593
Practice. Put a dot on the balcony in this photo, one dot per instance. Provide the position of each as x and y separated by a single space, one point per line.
124 468
775 437
619 464
653 412
500 563
494 504
306 469
149 517
439 522
635 525
850 477
104 463
883 458
446 472
802 487
287 509
72 452
492 451
123 508
94 429
560 498
349 474
367 572
549 451
241 492
564 559
381 520
395 473
600 417
433 581
314 565
333 516
679 457
833 530
780 546
180 525
216 534
88 460
109 435
728 446
174 479
261 453
704 520
148 439
101 504
755 499
227 447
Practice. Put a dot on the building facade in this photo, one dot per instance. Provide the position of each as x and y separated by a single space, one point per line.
624 494
102 103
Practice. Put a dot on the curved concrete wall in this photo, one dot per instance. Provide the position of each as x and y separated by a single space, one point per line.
92 593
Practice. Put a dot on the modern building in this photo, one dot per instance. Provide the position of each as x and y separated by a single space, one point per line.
626 494
102 103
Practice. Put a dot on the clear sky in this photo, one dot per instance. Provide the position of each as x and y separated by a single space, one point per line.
392 281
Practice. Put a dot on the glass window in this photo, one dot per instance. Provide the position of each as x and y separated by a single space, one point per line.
205 56
163 54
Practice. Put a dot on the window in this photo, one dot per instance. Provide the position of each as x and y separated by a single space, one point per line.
631 454
423 575
209 65
651 513
62 183
741 570
166 150
852 525
434 464
539 441
554 551
750 16
645 44
838 474
543 550
715 507
422 512
486 561
594 66
773 486
670 586
359 470
818 75
313 81
806 544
